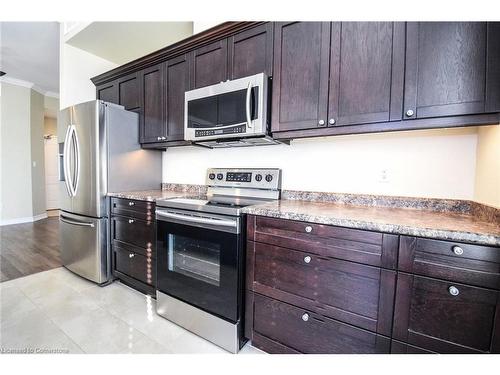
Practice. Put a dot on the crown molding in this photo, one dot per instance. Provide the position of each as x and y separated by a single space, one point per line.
29 85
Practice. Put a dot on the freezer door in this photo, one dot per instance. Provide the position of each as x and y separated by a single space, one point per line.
84 247
87 165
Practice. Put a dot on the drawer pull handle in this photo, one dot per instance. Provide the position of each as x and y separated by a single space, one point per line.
131 203
309 229
131 255
458 250
453 290
130 221
307 259
305 317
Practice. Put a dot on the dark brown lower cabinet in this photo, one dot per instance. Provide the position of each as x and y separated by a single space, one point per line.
306 332
398 347
446 317
135 265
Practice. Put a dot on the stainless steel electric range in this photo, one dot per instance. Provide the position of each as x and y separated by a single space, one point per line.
201 253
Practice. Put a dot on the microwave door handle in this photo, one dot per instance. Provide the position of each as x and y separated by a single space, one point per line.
198 220
248 104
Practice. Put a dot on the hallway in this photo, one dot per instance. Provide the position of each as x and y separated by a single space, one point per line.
29 248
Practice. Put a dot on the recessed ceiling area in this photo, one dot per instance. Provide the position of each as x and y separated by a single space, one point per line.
121 42
29 51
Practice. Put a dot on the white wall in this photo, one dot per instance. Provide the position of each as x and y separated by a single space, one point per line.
15 158
487 188
76 69
435 163
37 153
199 26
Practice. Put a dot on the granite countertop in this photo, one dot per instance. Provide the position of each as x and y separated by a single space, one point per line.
151 195
407 221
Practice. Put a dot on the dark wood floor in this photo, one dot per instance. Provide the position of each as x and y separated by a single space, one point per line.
29 248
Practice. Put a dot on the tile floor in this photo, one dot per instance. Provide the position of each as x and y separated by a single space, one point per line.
57 311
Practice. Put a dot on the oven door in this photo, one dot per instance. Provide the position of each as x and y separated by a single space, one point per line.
198 256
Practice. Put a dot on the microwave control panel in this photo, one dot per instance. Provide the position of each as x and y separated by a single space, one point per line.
238 129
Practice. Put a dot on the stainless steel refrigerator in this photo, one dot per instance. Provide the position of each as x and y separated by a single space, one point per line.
100 154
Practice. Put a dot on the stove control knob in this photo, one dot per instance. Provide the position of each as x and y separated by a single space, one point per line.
258 177
220 176
269 177
211 176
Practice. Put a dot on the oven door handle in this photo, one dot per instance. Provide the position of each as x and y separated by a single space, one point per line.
198 220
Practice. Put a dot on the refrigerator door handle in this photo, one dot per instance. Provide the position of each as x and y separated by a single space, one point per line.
77 161
80 223
66 160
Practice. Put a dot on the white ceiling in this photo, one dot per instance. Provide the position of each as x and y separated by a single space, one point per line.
29 51
121 42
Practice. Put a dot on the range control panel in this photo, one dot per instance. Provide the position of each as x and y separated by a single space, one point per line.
266 178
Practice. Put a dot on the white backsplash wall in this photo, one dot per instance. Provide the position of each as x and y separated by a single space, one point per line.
433 163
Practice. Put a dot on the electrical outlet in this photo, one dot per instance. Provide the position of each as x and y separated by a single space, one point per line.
383 175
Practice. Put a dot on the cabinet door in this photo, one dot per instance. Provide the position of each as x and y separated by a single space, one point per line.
108 92
251 52
153 127
445 69
300 81
210 64
129 92
177 83
366 72
446 317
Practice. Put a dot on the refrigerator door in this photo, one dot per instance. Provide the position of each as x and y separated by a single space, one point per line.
63 129
84 246
87 159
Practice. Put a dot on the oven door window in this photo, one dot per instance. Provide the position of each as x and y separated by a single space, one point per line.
198 259
199 266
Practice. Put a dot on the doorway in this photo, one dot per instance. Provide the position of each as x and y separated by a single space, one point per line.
51 175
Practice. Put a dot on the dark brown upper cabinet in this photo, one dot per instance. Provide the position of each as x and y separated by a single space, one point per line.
178 81
451 69
366 72
251 52
300 75
210 64
153 127
129 89
108 92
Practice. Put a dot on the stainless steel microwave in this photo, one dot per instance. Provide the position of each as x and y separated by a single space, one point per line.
232 110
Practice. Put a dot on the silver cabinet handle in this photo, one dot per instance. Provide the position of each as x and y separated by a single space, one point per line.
321 122
130 221
163 138
309 229
453 290
307 259
131 203
409 113
158 138
305 317
331 121
71 222
131 255
247 106
457 250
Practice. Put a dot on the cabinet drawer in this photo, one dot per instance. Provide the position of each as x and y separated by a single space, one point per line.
308 332
360 246
129 207
135 265
398 347
133 232
446 317
454 261
350 292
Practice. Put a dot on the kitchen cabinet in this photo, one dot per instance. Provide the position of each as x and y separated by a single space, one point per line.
129 92
446 317
133 243
209 64
152 122
449 70
178 81
251 52
300 75
108 92
366 72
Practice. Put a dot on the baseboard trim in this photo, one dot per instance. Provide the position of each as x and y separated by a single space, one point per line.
21 220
